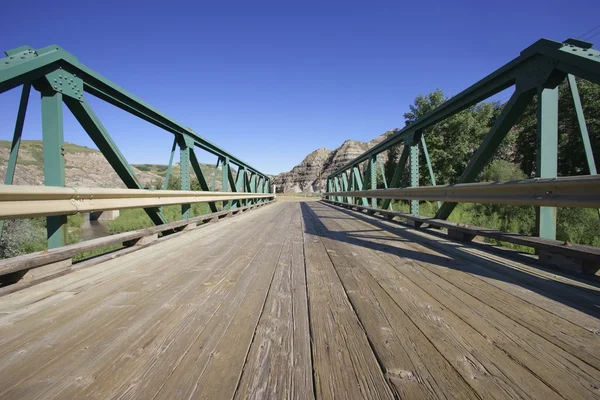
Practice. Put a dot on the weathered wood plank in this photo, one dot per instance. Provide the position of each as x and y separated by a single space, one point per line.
38 259
488 370
567 375
414 367
345 366
119 315
212 365
279 362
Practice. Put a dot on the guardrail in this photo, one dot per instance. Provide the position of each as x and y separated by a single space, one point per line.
576 191
42 201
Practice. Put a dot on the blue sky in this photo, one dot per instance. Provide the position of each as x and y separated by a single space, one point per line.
272 81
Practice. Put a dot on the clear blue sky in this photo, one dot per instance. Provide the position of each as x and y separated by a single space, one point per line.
272 81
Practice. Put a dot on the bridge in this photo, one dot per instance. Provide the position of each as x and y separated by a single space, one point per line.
280 297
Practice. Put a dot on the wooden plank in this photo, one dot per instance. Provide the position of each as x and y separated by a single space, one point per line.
567 288
212 365
145 361
414 367
560 370
38 259
279 362
142 302
344 364
488 370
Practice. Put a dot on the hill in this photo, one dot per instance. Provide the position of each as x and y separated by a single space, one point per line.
84 167
310 175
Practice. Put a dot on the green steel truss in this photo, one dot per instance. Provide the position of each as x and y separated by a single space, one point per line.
537 71
61 78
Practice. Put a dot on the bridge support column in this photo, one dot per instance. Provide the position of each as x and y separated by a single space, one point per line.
184 162
54 159
373 178
414 172
547 154
225 179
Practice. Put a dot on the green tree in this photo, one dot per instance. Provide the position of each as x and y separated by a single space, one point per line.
452 142
571 154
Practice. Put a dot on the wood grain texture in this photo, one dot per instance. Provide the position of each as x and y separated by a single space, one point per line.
303 300
279 362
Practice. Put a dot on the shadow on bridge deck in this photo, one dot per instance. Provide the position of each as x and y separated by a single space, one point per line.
303 300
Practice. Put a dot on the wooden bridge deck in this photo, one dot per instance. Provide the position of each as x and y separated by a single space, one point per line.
303 300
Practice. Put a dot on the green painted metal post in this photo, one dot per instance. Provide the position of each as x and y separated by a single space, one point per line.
54 160
359 184
547 153
382 170
395 182
239 183
214 181
414 174
585 136
169 167
200 175
345 187
184 164
328 187
336 183
16 142
225 178
429 166
373 178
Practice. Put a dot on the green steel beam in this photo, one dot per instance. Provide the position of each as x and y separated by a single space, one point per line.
336 184
428 160
358 181
232 184
99 135
382 170
429 166
54 160
505 121
547 153
585 136
414 174
567 57
373 177
200 176
239 183
225 179
395 181
184 164
169 167
345 187
16 142
214 181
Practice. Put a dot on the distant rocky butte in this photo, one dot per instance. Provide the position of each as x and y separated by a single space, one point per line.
310 175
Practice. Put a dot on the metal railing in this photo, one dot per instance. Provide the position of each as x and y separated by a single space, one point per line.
61 78
537 71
